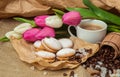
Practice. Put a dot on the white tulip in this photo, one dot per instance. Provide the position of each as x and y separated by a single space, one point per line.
54 21
14 34
22 28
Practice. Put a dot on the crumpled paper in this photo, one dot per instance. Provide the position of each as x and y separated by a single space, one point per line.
30 8
26 53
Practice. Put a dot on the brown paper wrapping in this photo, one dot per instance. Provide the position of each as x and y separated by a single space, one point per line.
112 3
30 8
26 53
113 40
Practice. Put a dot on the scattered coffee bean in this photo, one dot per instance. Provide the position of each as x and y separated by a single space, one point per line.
64 74
71 74
89 51
77 57
95 74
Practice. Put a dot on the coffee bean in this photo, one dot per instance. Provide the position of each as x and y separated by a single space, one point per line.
64 74
116 62
94 60
95 74
89 51
110 65
98 69
78 56
71 74
79 60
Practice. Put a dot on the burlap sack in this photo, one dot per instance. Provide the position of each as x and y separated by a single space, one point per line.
30 8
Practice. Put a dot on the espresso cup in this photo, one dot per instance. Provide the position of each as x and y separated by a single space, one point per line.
90 30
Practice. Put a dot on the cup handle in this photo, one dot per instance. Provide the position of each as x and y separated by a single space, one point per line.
69 31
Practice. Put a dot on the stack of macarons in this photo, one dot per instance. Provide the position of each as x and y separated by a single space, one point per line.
51 48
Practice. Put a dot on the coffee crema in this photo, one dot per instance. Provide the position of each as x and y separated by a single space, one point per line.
91 26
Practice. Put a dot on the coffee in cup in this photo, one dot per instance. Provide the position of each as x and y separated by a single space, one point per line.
91 27
90 30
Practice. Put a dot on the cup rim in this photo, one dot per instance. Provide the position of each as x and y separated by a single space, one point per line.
104 28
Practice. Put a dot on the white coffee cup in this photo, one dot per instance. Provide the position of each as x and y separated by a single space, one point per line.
92 36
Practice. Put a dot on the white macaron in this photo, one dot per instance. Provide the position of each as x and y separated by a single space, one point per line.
46 56
65 53
38 45
51 44
66 42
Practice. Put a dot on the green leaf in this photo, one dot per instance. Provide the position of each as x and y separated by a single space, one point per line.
85 13
25 20
4 39
59 13
109 29
113 26
102 13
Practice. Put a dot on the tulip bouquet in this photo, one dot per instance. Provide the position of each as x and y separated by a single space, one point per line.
44 26
55 25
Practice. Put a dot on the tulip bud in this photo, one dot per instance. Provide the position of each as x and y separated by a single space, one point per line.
54 21
14 34
45 32
29 35
40 20
71 18
22 28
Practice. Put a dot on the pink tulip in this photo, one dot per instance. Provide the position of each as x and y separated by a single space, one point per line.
29 35
72 18
40 20
45 32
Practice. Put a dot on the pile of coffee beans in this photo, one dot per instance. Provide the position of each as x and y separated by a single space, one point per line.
78 55
104 60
